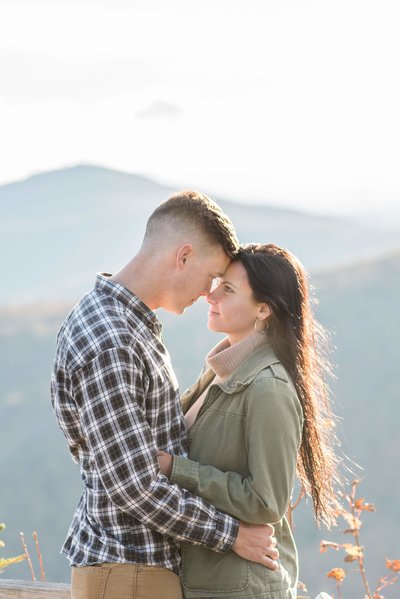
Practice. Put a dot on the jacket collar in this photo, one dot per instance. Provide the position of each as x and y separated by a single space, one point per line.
260 358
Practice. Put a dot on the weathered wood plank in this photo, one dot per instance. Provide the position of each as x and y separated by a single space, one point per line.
24 589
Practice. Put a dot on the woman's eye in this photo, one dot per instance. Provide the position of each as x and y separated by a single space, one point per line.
228 289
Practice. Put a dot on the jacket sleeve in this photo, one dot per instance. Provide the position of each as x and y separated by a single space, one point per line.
273 432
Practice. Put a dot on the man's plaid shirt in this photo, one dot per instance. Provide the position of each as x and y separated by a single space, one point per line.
116 400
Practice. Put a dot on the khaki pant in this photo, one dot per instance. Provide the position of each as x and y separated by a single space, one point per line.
124 581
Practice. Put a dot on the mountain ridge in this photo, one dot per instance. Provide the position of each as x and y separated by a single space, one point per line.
88 169
59 228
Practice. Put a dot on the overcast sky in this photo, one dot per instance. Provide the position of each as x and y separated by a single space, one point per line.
291 102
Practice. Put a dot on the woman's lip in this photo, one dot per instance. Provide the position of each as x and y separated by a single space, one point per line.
215 313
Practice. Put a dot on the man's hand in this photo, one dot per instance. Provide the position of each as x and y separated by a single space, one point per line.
165 462
256 543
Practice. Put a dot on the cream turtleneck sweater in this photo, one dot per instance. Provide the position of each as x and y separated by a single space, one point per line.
224 359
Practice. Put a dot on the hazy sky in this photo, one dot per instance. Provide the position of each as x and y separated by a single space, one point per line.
286 101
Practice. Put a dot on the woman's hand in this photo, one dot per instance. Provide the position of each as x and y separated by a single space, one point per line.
165 462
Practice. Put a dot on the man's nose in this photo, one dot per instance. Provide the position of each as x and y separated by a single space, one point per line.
209 286
210 296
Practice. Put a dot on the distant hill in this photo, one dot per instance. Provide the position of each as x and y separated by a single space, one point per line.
360 305
58 229
40 485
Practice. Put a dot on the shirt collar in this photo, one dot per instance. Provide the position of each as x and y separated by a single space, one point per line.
105 285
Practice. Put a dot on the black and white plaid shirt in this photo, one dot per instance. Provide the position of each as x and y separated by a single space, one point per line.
116 399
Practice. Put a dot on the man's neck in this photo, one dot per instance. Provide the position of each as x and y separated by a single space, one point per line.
140 278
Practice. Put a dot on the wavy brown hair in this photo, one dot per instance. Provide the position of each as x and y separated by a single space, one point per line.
278 279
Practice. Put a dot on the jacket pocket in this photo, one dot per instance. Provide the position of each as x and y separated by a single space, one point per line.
206 570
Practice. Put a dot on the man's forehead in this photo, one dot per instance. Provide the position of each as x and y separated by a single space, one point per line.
221 269
217 261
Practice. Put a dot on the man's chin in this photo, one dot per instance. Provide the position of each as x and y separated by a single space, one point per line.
179 309
189 304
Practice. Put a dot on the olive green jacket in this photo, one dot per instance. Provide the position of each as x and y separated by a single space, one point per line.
243 454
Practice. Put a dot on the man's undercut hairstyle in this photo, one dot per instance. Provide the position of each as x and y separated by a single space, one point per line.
198 212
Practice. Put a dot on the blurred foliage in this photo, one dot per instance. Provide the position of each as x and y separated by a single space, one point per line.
8 561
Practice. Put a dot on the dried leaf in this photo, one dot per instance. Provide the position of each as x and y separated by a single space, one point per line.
350 558
302 587
393 564
337 573
360 505
324 545
353 550
358 502
368 507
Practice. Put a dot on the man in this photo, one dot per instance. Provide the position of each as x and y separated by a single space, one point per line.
116 399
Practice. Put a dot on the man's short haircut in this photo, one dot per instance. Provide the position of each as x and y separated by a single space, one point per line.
197 212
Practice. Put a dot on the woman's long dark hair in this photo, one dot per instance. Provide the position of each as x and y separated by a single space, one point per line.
278 278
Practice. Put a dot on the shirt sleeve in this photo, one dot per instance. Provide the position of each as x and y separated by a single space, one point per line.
273 434
111 394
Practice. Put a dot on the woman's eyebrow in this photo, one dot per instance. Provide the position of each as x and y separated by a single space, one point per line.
227 282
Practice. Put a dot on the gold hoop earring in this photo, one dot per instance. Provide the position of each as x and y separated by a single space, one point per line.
264 330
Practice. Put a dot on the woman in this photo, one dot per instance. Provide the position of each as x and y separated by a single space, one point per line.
259 409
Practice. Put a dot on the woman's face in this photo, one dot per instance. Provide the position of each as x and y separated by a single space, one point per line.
233 309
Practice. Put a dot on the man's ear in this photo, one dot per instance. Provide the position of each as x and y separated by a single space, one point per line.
183 254
264 312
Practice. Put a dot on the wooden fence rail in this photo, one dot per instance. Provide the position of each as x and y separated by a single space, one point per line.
24 589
